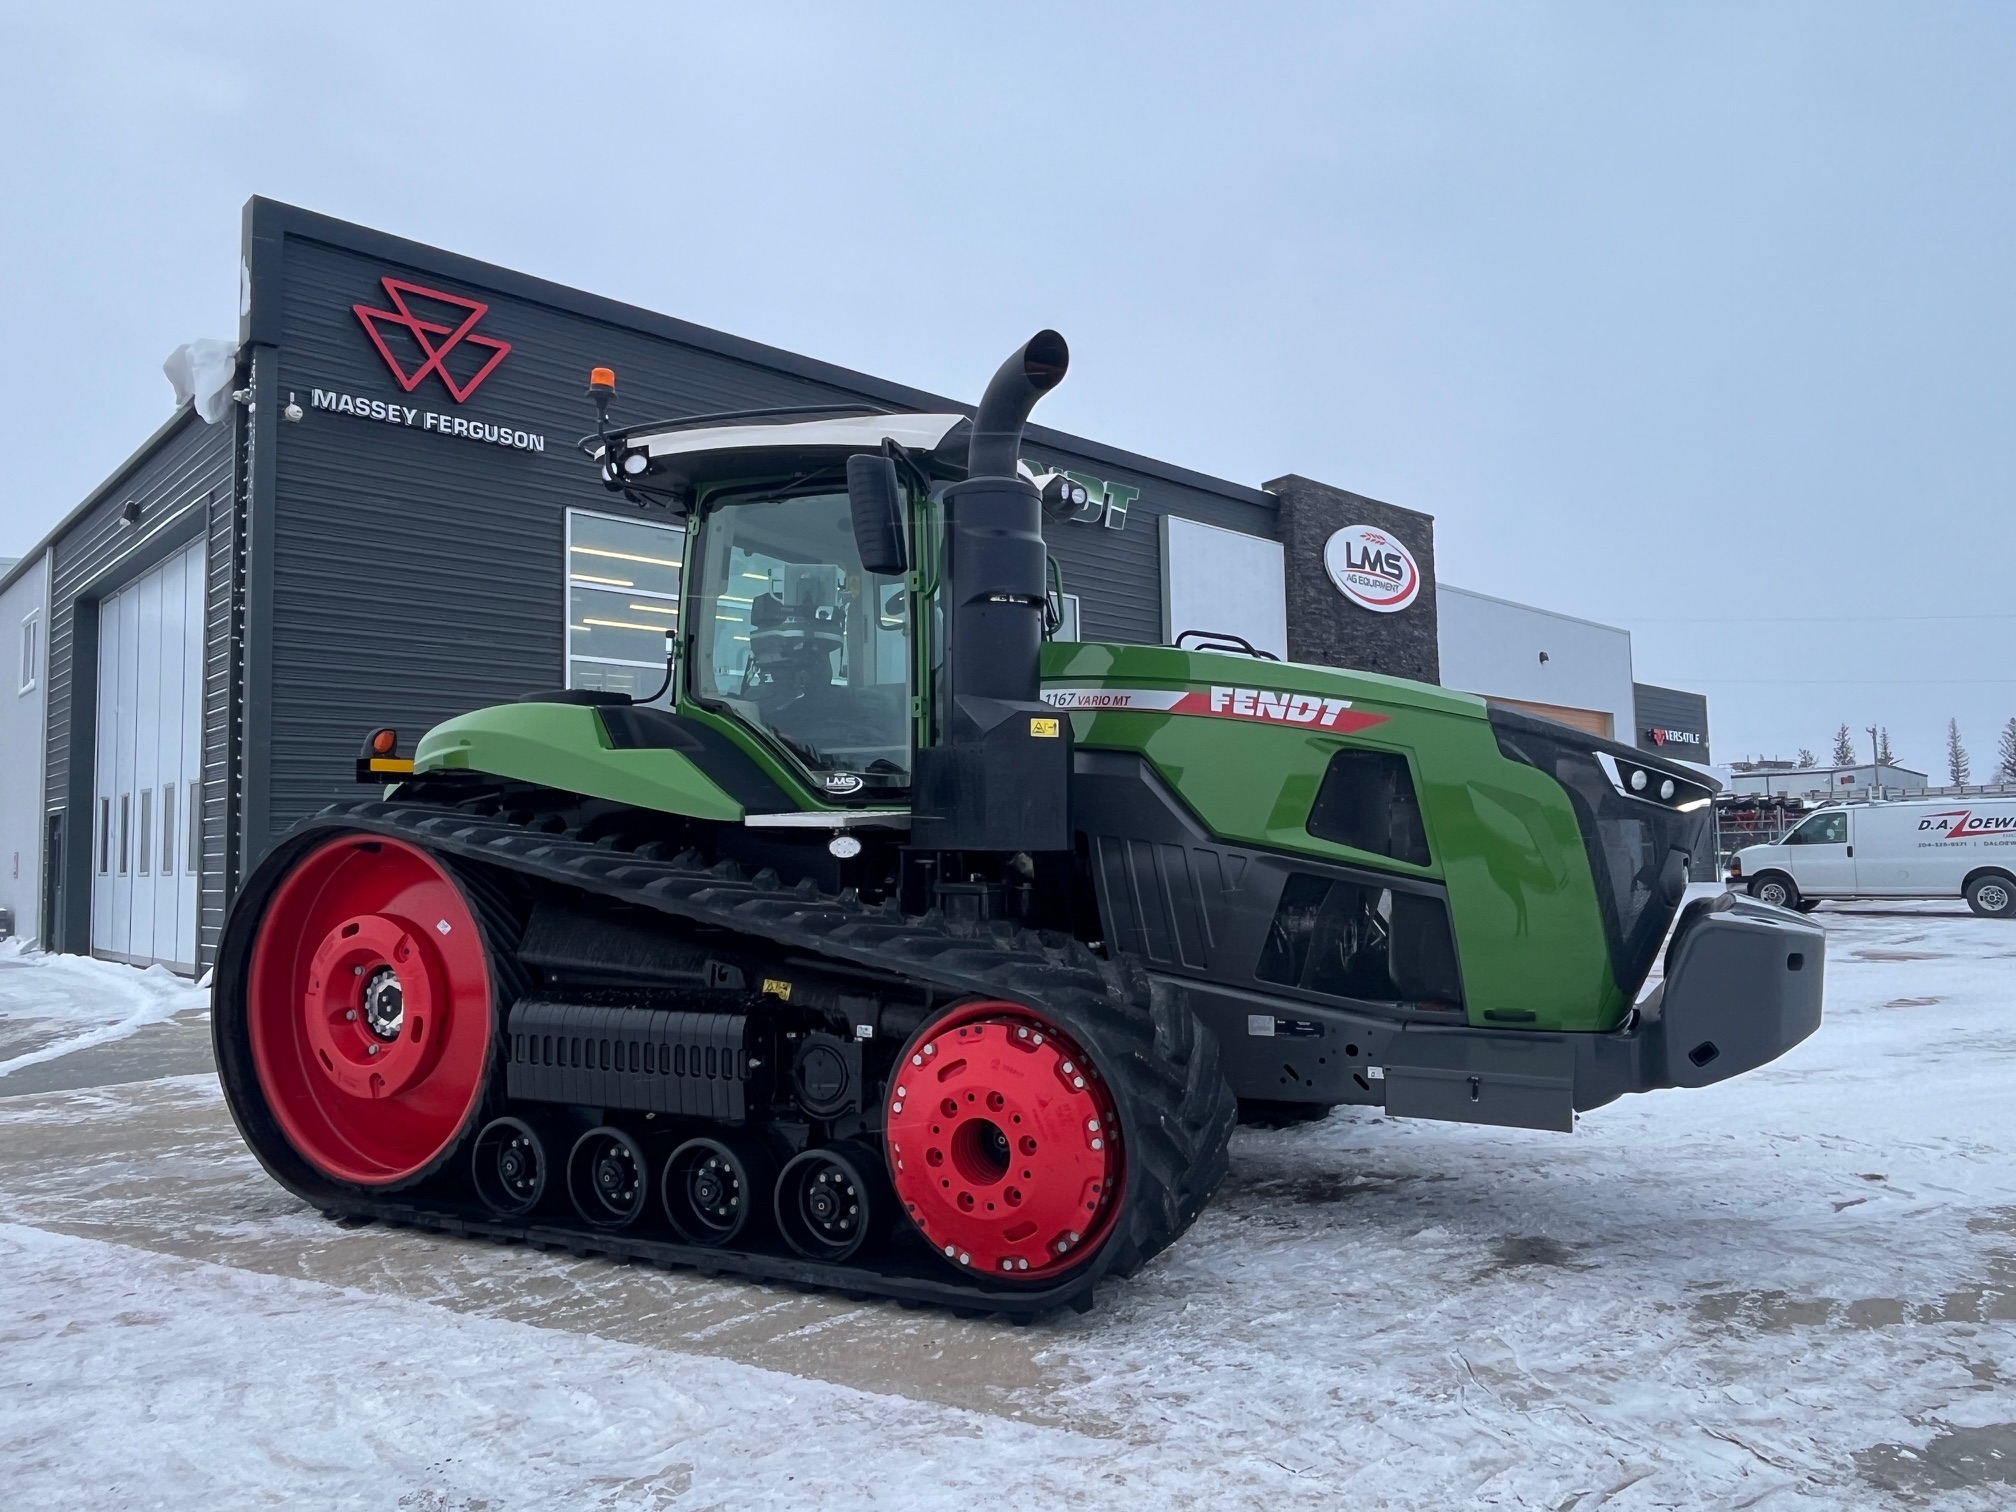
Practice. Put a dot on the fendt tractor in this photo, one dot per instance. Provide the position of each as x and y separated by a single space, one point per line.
897 948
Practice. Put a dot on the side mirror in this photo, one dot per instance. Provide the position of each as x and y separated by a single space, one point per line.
876 500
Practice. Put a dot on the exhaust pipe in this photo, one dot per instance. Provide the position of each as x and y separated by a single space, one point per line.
1011 394
998 776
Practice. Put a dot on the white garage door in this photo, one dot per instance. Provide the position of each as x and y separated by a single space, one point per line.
150 716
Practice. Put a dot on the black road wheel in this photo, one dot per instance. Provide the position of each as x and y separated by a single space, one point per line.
832 1203
718 1191
509 1166
1777 889
608 1178
1992 895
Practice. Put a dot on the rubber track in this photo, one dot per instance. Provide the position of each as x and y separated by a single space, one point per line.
1151 1050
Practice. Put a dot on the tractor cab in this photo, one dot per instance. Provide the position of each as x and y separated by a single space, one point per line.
811 652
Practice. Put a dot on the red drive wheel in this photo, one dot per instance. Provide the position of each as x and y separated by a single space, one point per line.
1004 1143
369 1010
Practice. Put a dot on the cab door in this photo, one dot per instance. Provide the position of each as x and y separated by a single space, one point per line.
1821 854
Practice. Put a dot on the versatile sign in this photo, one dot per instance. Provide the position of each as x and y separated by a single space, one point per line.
437 342
1264 704
1661 737
1372 569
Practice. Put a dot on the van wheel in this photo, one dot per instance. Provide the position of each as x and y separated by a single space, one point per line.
1777 889
1992 895
1807 905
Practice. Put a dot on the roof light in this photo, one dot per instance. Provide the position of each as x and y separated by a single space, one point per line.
602 380
384 742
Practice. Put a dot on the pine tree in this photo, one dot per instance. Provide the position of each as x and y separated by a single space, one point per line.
1808 759
1844 747
1956 755
1884 755
2006 753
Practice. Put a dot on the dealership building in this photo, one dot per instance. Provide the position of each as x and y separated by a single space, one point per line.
386 521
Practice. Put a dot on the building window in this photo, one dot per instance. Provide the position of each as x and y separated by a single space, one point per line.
193 853
167 829
125 831
31 651
622 600
146 829
104 836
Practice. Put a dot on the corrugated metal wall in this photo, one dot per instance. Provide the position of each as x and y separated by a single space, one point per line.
181 486
390 574
417 575
1117 574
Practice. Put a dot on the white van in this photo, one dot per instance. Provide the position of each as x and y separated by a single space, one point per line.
1931 848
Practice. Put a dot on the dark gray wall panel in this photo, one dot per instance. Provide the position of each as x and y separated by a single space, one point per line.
1671 709
185 476
1117 574
417 575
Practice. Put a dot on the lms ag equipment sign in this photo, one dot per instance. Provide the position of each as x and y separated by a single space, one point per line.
1372 569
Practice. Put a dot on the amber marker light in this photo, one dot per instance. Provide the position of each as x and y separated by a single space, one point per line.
602 380
384 742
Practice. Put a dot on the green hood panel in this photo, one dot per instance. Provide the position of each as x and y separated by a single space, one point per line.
564 746
1502 835
1165 666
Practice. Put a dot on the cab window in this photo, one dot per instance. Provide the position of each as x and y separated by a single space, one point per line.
796 639
1821 829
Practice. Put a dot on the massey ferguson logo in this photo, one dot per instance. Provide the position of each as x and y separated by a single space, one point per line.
1965 824
1660 737
1372 569
436 340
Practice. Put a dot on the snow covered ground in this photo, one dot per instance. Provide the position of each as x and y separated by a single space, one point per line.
1797 1288
52 1006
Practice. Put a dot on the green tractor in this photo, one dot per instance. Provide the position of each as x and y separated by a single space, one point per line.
895 948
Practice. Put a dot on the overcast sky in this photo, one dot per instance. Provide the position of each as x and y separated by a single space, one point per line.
1693 319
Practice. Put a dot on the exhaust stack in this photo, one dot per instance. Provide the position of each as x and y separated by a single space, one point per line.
999 776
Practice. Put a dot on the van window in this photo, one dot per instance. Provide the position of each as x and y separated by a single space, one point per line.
1821 829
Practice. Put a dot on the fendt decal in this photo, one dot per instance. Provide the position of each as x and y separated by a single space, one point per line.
1264 704
1965 824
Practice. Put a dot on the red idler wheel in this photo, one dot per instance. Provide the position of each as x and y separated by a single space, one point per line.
1004 1143
370 1010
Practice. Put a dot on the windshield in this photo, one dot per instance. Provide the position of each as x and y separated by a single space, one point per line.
794 638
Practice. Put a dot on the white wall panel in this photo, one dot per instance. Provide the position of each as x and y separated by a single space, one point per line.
24 693
1499 649
1223 582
